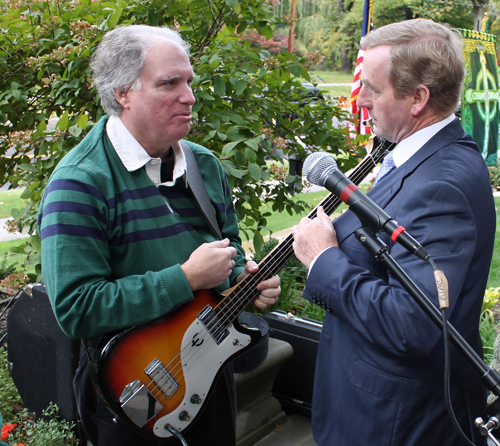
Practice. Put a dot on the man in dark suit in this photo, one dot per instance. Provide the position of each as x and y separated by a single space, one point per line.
380 368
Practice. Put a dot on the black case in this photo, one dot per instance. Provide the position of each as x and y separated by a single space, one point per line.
43 358
293 386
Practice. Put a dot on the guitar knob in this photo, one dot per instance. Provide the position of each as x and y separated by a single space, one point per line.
195 399
184 416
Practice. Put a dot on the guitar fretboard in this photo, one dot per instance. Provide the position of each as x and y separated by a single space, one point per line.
245 292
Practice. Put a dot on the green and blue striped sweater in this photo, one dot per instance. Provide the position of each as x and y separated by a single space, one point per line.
113 243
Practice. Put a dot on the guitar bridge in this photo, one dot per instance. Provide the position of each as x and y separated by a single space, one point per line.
209 318
138 403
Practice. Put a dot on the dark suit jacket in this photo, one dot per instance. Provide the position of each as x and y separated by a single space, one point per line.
379 374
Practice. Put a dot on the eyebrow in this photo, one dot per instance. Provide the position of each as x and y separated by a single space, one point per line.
174 77
169 78
369 85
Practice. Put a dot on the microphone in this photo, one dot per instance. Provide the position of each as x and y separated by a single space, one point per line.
321 169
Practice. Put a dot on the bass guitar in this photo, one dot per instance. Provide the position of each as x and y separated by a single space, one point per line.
156 377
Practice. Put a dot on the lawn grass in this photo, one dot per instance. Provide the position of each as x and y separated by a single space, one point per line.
280 221
9 200
333 77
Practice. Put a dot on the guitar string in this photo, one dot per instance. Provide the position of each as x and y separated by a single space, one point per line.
266 270
248 288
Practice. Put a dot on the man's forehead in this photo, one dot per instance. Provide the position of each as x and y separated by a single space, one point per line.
172 59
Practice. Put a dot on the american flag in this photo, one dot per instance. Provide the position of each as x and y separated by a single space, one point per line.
361 115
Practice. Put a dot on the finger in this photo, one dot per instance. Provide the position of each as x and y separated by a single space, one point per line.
272 283
264 302
232 251
224 243
304 221
251 267
322 216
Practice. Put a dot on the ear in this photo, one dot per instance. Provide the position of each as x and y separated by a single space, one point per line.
421 98
121 97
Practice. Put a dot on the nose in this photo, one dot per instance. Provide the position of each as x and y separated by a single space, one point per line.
187 96
362 100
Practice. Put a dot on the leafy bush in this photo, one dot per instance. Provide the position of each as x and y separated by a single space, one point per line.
6 270
244 95
495 176
10 401
20 427
487 330
490 300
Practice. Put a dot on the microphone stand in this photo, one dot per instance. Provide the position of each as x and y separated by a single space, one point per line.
490 377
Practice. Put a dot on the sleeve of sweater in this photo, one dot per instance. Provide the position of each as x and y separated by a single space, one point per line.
77 268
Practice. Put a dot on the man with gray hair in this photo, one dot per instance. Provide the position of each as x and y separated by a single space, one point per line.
124 243
380 369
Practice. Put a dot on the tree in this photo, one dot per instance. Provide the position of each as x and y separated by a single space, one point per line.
245 96
333 27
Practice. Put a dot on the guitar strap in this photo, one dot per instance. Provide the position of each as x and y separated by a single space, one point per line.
197 186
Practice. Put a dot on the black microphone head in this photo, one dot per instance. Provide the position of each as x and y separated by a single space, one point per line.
316 164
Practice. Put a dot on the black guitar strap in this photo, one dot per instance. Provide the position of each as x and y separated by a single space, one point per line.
195 183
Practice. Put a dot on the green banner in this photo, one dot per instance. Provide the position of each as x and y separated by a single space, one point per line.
480 98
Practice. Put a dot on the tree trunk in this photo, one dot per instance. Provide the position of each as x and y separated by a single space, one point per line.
346 62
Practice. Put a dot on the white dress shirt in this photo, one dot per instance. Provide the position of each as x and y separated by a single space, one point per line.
134 156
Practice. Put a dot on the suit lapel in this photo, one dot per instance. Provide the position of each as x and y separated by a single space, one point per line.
386 190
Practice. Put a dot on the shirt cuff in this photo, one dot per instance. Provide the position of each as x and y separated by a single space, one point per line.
316 258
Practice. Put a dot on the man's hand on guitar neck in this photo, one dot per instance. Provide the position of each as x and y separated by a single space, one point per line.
312 237
269 289
212 263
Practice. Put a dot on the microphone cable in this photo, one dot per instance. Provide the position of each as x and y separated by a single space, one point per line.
442 287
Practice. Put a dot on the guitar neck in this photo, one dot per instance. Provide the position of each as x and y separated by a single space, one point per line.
245 292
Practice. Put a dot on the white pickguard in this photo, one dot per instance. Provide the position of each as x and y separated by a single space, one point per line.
201 359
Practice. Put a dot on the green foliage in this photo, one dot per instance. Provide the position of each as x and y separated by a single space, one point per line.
488 333
245 95
490 300
494 276
49 429
9 396
495 176
5 269
293 277
488 325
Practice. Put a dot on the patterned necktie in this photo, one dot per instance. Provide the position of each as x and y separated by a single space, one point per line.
387 167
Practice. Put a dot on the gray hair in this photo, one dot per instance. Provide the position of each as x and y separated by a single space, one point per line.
423 52
120 58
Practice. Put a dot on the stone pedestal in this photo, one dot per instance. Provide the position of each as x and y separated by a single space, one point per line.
258 411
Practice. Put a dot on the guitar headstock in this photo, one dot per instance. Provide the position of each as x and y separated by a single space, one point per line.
378 148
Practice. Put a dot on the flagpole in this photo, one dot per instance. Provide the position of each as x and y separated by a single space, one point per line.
292 21
361 115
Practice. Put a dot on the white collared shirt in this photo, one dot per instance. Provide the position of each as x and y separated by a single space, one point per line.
134 156
411 145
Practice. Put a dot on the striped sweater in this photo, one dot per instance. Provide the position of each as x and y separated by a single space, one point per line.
113 243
